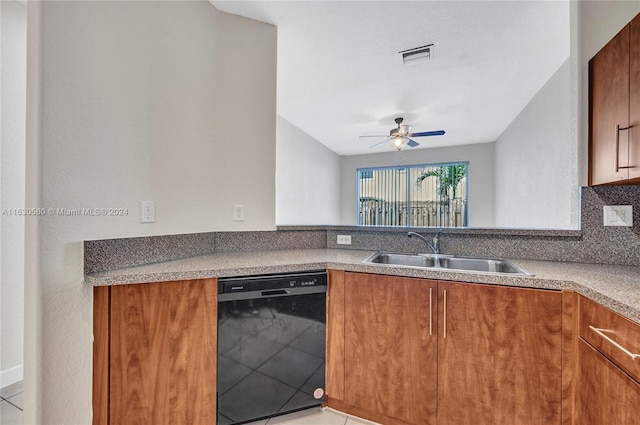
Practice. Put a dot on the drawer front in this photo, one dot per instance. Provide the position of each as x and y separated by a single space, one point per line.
611 334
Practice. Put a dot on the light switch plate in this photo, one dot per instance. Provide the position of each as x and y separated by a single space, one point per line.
618 215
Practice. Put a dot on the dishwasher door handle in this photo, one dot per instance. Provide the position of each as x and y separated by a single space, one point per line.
275 292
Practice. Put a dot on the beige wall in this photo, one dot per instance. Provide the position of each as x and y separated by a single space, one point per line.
307 178
166 101
13 65
537 177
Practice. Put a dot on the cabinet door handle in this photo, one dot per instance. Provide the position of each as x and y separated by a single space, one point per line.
618 130
430 311
601 332
444 304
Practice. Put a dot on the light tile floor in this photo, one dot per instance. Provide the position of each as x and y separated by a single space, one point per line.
315 416
11 413
11 404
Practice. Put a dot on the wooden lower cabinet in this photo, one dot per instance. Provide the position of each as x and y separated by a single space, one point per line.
608 372
390 353
605 394
155 352
424 352
499 355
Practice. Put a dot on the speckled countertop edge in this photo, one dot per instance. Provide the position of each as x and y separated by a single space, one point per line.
615 287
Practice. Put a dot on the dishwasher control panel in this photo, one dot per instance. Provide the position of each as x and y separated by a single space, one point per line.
261 283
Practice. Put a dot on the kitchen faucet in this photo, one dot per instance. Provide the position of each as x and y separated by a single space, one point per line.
435 247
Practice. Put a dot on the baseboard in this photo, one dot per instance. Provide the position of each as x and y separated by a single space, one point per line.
11 376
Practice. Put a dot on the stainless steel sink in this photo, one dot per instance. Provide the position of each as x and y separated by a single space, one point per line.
398 259
492 265
448 262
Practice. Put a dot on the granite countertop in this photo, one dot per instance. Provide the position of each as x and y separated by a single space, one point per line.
615 287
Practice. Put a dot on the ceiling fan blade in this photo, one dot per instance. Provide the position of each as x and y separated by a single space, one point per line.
427 133
380 135
412 143
380 143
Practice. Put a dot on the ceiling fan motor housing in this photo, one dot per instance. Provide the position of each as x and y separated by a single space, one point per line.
402 130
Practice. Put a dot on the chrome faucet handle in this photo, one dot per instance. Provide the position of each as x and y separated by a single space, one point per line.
436 242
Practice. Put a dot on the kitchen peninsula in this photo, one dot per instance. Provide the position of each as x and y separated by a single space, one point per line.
557 288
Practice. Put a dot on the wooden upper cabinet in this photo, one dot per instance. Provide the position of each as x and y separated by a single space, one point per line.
614 109
634 100
499 355
609 111
390 348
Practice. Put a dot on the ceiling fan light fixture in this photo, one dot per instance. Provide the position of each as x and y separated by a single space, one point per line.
422 53
399 142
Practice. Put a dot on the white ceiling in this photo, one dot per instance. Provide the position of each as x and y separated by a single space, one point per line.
340 75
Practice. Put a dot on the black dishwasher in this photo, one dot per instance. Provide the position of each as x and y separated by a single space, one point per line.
271 345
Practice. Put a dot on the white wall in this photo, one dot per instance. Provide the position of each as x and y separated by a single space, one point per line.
13 69
481 176
307 178
536 173
166 101
597 23
593 24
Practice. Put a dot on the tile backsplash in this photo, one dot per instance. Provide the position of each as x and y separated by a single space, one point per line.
110 254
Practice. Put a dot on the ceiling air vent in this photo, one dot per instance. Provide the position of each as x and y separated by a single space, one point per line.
417 54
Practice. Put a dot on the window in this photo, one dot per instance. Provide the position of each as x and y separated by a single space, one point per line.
415 195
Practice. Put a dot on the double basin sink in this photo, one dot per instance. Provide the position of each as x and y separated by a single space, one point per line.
448 262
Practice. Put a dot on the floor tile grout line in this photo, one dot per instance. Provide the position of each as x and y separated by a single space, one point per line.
10 404
16 406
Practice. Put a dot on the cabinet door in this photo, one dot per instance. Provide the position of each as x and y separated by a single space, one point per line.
163 353
390 347
634 100
499 355
605 394
608 108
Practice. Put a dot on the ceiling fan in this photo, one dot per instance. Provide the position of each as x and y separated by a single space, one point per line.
400 137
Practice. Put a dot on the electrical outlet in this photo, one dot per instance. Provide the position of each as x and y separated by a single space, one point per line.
344 240
618 215
147 212
238 213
